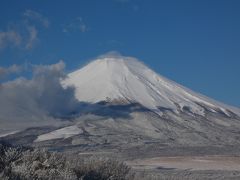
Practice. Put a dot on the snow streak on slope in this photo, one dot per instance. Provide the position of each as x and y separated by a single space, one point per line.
65 132
125 79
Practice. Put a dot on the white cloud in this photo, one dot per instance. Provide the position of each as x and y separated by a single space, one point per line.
76 25
36 16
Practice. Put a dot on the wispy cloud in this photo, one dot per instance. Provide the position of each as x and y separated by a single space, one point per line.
13 69
122 1
10 38
75 25
36 16
24 33
131 4
32 37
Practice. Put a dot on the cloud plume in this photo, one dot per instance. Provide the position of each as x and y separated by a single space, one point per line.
36 100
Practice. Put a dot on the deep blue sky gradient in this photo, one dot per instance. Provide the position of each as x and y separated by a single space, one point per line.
193 42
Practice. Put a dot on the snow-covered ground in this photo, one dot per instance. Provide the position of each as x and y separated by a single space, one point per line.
226 163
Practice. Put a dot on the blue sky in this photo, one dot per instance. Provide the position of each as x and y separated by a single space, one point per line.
193 42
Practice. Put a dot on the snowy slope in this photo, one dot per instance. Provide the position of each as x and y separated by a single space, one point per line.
127 80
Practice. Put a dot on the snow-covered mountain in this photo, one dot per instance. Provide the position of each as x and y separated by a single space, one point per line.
126 80
126 105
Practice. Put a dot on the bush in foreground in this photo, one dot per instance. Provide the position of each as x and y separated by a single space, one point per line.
17 163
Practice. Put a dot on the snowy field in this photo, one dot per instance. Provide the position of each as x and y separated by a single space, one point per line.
226 163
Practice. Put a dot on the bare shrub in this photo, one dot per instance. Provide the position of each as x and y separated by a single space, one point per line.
101 169
39 164
8 155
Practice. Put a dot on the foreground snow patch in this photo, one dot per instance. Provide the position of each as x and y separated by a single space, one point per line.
62 133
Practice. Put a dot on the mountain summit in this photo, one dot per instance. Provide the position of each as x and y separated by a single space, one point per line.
127 80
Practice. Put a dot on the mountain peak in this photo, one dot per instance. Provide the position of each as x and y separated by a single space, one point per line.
114 77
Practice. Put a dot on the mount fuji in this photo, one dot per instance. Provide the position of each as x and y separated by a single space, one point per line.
126 105
127 80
